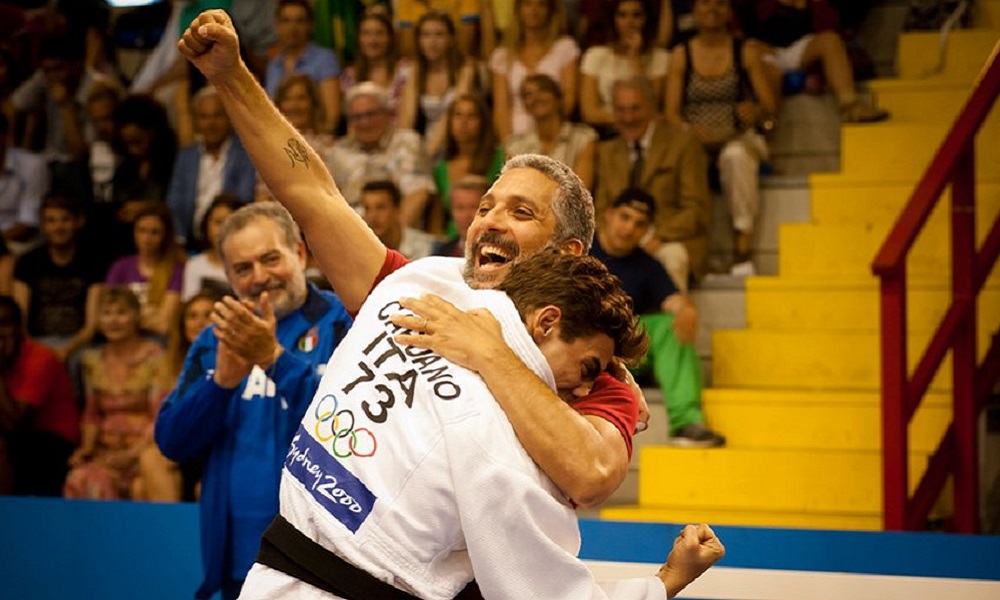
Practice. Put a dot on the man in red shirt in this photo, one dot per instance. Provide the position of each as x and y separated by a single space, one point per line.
536 203
39 417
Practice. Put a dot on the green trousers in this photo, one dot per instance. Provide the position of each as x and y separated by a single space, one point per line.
676 369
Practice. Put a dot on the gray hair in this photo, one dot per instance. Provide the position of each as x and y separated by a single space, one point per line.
207 91
370 89
270 210
573 205
635 82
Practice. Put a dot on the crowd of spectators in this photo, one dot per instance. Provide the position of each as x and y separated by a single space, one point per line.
114 185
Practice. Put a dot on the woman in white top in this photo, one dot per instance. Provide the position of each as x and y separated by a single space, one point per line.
534 43
631 52
441 72
553 135
204 272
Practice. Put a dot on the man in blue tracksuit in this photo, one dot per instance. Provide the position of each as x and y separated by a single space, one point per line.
246 382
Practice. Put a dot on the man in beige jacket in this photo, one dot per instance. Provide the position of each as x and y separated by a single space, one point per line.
668 162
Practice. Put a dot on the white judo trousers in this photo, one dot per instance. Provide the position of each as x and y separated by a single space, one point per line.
406 467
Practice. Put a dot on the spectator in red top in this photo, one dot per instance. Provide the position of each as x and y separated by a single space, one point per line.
39 418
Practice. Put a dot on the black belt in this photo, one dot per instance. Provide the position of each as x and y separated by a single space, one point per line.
285 548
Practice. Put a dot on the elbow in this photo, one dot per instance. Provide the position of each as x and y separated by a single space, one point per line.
595 486
167 438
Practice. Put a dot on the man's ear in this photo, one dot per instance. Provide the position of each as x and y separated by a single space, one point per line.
544 321
572 246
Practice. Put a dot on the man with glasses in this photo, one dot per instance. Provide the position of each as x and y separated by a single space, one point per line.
374 149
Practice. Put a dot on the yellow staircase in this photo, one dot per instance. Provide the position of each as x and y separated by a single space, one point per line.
797 392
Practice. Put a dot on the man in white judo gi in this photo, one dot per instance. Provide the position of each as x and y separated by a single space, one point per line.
405 478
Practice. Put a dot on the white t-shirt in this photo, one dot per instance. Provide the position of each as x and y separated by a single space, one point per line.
563 52
604 65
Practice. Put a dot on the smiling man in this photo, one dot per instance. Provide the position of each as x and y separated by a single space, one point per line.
668 162
375 149
246 383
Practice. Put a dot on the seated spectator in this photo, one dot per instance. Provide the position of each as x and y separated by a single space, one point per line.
471 148
668 315
471 18
534 43
155 272
57 283
123 387
631 51
147 146
553 135
440 74
296 53
377 60
718 88
374 149
801 33
39 419
195 315
205 270
380 201
595 22
51 101
466 195
24 181
217 164
101 106
669 163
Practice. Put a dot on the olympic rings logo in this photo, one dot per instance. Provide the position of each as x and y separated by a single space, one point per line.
359 441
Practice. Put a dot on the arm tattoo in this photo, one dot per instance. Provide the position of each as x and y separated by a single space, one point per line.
297 152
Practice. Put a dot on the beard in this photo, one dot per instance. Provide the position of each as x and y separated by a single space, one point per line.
487 280
490 280
286 296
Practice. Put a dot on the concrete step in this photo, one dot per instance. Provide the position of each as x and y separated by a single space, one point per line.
786 303
784 199
921 101
902 151
807 136
965 53
816 420
835 201
986 14
789 360
847 251
803 481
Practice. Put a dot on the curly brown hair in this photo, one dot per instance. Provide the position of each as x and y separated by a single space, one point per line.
590 298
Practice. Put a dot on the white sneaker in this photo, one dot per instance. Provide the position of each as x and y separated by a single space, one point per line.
743 269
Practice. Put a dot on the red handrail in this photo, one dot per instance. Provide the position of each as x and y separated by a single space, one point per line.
956 455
